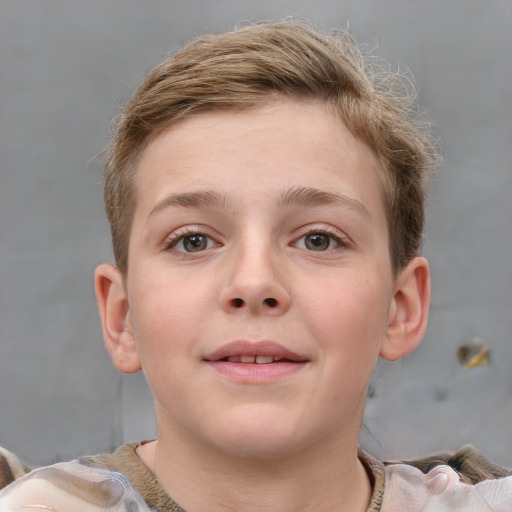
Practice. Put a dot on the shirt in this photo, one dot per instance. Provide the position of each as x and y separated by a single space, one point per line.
464 481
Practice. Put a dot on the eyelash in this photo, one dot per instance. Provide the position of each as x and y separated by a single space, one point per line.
179 236
341 240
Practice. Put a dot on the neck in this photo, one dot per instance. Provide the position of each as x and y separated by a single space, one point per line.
327 478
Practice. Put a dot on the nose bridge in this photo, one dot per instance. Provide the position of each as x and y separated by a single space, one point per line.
255 279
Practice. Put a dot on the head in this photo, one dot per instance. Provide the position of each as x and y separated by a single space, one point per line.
266 201
253 66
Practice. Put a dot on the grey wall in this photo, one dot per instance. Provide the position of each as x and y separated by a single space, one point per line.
65 66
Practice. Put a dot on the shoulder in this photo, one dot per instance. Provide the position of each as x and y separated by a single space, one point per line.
117 481
71 486
462 481
469 463
11 468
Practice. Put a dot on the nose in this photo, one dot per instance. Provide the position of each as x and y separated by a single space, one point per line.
255 283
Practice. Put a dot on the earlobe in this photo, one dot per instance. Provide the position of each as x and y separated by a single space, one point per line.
115 318
408 312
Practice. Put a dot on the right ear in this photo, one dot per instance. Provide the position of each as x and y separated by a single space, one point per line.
115 318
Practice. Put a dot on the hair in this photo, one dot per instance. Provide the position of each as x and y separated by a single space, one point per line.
251 66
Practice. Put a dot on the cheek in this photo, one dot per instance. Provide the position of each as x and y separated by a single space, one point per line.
347 314
175 299
166 319
164 341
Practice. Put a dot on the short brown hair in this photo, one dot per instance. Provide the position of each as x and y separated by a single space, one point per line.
248 67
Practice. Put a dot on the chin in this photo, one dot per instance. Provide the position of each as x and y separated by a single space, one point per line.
257 439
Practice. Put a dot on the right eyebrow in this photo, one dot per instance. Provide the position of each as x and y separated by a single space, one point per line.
201 199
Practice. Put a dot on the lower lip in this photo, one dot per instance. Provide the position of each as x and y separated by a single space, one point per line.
254 372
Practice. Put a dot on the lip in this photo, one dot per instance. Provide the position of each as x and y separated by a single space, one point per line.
285 361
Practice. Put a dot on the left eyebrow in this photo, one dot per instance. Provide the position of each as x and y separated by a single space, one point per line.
309 197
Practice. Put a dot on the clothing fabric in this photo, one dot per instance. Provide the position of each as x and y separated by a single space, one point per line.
464 481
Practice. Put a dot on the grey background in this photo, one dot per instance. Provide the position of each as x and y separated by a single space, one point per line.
66 66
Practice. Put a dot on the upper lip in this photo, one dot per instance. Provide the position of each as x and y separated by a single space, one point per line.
254 348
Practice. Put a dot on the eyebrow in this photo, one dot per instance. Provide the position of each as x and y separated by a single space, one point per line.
295 197
310 196
200 199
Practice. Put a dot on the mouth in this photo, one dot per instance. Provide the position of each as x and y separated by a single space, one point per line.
260 352
256 359
255 362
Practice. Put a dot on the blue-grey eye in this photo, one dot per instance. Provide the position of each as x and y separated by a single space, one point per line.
317 241
194 243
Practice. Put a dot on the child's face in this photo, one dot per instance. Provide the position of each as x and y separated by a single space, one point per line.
261 233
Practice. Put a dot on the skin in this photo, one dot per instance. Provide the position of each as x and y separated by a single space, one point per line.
286 208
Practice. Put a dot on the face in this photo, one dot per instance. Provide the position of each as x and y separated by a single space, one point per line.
259 281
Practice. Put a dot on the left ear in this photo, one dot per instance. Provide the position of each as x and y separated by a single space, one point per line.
408 313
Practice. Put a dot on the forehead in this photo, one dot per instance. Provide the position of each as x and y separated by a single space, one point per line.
275 146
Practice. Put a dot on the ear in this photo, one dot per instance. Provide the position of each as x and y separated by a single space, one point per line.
115 318
408 314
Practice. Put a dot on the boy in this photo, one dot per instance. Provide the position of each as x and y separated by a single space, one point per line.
266 194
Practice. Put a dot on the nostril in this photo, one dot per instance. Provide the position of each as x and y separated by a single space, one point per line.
270 302
238 303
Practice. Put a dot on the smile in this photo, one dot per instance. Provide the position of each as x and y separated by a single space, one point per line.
255 362
255 359
258 352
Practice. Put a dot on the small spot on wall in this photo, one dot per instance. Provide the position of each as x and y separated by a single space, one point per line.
473 354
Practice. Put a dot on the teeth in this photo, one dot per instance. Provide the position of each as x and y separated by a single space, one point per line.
264 359
251 359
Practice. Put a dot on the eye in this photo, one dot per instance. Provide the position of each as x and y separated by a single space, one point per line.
318 241
194 242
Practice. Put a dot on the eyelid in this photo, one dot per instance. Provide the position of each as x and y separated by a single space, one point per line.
178 234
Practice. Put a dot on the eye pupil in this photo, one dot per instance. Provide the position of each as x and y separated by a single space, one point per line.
317 241
193 243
